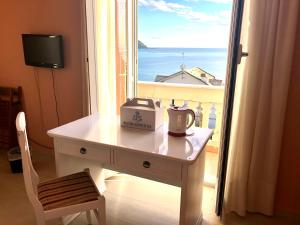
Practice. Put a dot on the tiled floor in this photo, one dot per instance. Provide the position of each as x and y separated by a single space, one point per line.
130 200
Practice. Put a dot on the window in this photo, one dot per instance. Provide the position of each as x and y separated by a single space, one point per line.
161 49
182 55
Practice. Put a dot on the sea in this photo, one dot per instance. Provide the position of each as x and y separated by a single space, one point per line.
166 61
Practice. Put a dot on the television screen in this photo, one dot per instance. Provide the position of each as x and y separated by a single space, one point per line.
43 50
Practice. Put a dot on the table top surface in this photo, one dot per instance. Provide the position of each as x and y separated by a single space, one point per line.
107 131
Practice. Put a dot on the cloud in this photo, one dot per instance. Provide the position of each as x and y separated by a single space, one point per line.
191 37
220 17
143 2
208 28
156 38
198 16
162 5
220 1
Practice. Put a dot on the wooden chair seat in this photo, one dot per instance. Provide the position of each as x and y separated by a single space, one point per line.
62 196
68 190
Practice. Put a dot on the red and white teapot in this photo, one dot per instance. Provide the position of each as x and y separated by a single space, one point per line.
179 120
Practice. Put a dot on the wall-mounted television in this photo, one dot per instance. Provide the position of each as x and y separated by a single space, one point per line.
43 50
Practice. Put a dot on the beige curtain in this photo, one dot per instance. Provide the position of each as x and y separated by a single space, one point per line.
269 34
104 44
106 55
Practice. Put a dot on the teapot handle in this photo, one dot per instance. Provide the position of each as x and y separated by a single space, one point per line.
191 112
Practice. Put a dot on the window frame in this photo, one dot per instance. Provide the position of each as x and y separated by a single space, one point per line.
132 49
91 55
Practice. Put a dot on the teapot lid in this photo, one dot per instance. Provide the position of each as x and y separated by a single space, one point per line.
178 108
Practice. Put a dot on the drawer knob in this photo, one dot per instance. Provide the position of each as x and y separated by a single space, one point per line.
83 151
146 164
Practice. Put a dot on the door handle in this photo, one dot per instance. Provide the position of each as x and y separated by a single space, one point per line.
241 54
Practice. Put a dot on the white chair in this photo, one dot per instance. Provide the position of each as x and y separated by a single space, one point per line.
60 196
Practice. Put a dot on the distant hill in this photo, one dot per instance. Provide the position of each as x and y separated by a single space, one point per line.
141 45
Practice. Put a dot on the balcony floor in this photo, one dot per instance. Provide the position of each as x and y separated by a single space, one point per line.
211 167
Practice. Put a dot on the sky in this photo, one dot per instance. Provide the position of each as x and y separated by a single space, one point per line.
184 23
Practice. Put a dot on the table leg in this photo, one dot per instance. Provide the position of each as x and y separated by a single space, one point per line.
191 192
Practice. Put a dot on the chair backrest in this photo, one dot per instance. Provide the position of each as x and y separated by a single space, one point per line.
31 178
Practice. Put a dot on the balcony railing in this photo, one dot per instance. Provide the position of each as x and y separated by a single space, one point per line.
206 101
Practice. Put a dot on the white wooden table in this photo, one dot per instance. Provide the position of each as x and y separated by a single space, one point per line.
100 142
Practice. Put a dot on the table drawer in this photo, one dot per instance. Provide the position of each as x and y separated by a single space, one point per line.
151 167
86 151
